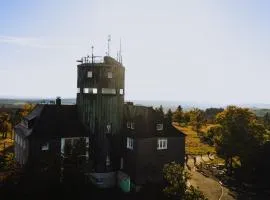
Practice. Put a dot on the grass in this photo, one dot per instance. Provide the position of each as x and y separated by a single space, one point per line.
7 141
194 146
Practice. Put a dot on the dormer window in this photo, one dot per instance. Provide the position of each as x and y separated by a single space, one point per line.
159 127
132 125
109 75
128 124
89 74
45 147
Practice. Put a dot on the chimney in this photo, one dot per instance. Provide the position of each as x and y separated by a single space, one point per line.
58 101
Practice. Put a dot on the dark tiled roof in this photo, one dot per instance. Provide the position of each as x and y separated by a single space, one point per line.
146 119
53 121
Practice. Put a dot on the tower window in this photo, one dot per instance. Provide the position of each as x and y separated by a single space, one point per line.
129 143
109 74
86 90
94 90
108 91
121 91
89 74
90 90
78 90
162 144
159 127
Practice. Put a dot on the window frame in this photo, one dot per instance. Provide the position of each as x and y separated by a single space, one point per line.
109 75
130 143
132 125
88 74
159 126
162 143
45 147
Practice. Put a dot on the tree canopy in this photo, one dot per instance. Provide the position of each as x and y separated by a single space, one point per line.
177 177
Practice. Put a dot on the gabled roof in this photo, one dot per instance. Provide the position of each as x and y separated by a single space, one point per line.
53 121
146 119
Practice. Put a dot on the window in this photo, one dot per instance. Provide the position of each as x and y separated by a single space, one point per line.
45 147
132 125
90 90
108 162
108 128
85 90
109 74
108 91
159 127
121 91
128 124
89 74
130 143
94 90
162 144
78 90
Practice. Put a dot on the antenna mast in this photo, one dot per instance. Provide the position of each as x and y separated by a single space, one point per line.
109 40
92 47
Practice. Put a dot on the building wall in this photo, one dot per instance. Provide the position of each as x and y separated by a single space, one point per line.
21 149
150 161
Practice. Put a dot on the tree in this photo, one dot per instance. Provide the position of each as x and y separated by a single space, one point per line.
27 108
169 116
210 114
177 177
5 125
197 119
266 120
178 115
160 111
239 135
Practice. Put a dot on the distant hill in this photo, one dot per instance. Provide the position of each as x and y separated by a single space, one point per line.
258 109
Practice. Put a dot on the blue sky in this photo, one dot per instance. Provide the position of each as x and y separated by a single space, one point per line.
205 51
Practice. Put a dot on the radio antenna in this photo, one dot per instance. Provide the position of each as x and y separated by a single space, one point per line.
109 40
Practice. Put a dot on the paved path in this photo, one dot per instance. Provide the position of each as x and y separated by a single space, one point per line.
210 187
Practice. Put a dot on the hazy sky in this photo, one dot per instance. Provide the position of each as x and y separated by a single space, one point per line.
208 51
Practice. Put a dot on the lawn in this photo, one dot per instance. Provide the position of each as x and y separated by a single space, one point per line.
194 146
